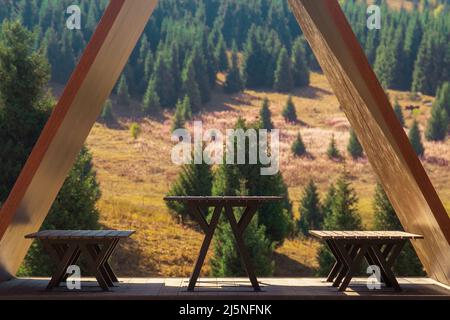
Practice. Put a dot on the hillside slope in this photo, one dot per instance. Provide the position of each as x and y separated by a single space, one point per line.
136 174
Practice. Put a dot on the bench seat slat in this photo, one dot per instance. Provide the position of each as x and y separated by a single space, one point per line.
79 234
359 235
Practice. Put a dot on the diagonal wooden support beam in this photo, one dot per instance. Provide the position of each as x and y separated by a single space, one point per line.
68 127
384 140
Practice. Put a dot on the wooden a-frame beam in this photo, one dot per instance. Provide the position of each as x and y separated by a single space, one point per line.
68 127
347 70
383 138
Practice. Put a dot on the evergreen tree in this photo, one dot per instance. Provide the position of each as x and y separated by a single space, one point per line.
265 116
107 114
343 215
275 216
399 113
221 54
163 81
416 139
289 113
300 71
123 96
283 74
25 105
344 208
298 147
437 127
311 217
332 151
193 180
354 148
190 86
151 102
443 96
233 82
179 117
440 115
185 107
326 205
385 218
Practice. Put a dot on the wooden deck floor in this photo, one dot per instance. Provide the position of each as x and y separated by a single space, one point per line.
212 288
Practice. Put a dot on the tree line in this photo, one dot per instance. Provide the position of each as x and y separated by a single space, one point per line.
186 43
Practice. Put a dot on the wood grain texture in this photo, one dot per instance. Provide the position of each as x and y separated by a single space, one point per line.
68 127
384 140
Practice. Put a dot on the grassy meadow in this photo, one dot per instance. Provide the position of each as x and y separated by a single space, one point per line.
135 174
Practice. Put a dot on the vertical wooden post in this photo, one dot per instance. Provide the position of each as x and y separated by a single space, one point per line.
383 138
68 127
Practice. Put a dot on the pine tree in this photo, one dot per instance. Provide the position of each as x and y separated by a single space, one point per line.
354 148
443 96
233 82
190 86
275 216
326 205
332 151
311 217
416 139
265 116
437 126
399 113
385 218
220 54
179 117
25 105
185 107
193 180
151 102
283 74
344 207
163 81
289 113
439 122
123 96
107 114
298 147
300 71
343 215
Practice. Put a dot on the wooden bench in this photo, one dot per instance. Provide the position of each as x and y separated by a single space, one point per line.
66 246
379 248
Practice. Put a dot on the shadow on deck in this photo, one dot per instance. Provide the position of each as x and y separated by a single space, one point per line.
230 288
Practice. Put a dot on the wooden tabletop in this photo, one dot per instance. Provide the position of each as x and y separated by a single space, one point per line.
80 234
357 235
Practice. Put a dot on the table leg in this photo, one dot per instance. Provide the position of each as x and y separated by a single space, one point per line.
95 260
241 247
62 262
209 232
352 251
386 263
337 265
351 262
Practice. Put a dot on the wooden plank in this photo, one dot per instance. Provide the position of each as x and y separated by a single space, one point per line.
383 138
69 125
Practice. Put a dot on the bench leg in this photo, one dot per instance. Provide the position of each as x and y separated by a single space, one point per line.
352 260
386 262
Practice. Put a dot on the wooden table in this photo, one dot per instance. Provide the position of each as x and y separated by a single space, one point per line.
198 208
66 246
379 248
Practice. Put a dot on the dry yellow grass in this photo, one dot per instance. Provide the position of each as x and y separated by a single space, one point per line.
136 174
